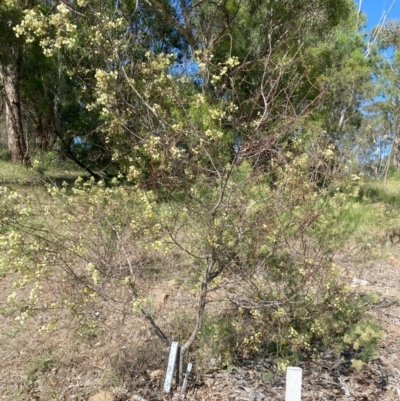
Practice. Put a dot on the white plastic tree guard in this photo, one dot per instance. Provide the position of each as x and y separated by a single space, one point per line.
171 366
293 384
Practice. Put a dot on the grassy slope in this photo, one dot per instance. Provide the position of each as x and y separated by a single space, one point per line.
374 214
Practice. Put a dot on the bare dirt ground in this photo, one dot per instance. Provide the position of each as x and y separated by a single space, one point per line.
122 360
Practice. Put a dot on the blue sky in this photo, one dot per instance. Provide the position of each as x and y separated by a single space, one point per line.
374 9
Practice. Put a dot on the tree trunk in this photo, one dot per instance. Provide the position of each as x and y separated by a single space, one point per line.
15 135
391 152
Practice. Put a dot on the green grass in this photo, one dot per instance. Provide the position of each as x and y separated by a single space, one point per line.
375 212
20 176
13 173
366 218
378 191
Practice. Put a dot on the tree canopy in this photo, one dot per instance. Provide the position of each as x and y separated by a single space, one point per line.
109 83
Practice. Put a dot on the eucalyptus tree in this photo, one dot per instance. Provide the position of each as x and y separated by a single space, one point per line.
28 85
11 55
258 54
285 63
385 110
371 145
344 79
77 44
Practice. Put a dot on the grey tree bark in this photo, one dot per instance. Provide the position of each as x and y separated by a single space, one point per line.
14 127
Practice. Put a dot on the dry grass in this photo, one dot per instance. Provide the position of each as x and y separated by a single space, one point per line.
110 347
122 354
114 349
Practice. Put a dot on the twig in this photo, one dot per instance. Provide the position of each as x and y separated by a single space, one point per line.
388 313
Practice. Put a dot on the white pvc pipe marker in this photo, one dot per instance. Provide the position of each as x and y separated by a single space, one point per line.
171 366
293 384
